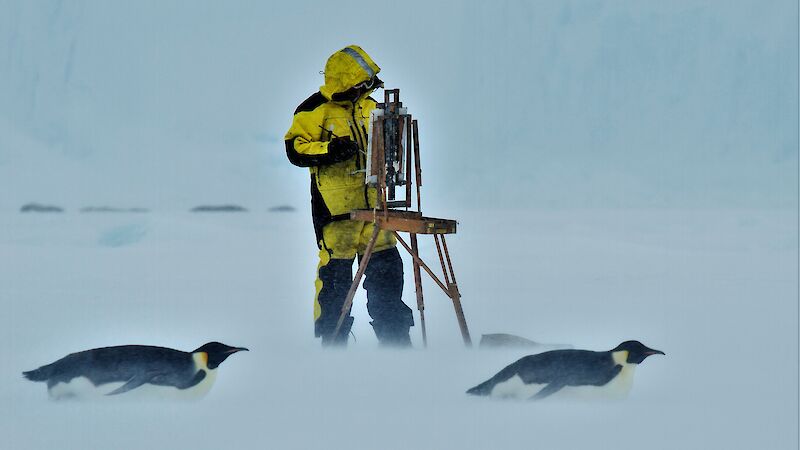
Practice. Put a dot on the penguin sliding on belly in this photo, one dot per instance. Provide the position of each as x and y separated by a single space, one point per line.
577 373
134 370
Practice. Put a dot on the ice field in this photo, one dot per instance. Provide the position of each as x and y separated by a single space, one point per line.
714 289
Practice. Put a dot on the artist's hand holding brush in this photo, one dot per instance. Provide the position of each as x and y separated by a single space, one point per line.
342 148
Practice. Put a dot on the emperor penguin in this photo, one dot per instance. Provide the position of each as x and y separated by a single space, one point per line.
581 374
134 370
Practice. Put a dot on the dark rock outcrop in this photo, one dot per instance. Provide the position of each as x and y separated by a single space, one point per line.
282 208
110 209
36 207
219 208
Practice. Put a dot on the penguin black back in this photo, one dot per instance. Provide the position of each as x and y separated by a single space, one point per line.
113 364
573 367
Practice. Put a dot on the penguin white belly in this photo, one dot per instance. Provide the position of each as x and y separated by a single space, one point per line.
617 388
81 388
514 387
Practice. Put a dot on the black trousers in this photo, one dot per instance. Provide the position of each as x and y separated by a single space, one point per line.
383 281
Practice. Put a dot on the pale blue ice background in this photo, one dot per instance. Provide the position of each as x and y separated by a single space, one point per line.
555 104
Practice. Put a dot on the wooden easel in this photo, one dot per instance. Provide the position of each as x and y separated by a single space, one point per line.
394 141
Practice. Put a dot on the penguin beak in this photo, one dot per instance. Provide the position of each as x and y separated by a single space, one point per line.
654 352
237 349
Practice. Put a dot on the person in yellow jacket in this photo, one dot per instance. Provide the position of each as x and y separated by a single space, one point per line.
329 136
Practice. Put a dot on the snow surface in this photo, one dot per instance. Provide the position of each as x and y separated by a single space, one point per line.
620 170
715 290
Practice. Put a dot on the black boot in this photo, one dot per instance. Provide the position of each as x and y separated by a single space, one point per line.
328 340
336 277
389 336
391 318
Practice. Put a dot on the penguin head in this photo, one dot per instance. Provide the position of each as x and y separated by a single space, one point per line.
637 352
217 353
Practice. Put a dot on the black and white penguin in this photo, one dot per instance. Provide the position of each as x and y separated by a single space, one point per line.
134 370
570 373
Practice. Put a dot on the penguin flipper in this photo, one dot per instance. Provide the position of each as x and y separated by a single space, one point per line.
547 391
133 383
198 377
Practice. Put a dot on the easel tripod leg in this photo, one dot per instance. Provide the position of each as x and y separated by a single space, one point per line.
418 286
452 288
348 302
455 295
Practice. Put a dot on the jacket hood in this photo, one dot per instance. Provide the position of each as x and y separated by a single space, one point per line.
347 68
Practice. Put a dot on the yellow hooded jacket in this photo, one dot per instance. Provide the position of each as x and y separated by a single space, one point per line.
336 187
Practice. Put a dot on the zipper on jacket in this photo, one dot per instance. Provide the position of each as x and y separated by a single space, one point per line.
366 139
362 139
356 136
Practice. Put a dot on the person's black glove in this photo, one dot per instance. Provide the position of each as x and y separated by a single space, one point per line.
342 148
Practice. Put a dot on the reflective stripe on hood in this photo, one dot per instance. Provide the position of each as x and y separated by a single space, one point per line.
361 62
347 68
